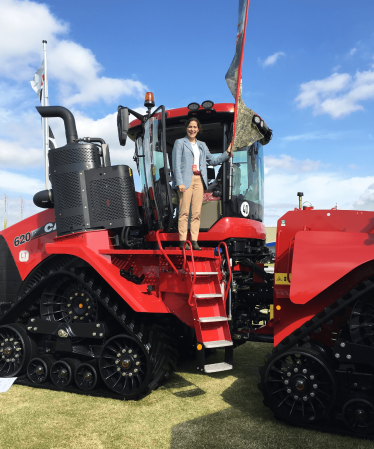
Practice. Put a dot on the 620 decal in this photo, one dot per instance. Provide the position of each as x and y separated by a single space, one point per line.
22 239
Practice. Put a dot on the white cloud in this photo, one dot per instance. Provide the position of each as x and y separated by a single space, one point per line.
337 95
286 176
310 136
366 200
272 59
19 183
14 154
25 24
352 51
290 164
77 72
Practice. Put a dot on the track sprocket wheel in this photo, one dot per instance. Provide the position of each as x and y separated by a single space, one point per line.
298 386
16 349
361 323
68 300
125 366
358 415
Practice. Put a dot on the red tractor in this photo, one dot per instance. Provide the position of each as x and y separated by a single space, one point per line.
96 297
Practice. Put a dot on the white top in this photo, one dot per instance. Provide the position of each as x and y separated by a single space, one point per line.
196 153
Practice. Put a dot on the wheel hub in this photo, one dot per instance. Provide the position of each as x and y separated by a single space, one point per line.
39 370
126 363
300 384
8 350
63 373
88 376
361 415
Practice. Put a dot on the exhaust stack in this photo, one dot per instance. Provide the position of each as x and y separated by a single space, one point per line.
67 117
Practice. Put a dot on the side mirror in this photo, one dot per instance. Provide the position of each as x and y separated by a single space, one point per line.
122 125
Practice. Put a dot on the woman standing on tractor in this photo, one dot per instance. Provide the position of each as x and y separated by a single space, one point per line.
190 158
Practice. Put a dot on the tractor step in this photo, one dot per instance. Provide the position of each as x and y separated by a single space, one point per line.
212 319
218 344
217 367
209 295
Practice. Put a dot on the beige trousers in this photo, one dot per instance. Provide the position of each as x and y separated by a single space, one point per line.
192 197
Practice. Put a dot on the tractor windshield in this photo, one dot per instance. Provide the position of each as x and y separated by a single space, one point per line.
248 177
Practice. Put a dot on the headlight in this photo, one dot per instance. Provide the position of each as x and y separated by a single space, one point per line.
207 104
193 106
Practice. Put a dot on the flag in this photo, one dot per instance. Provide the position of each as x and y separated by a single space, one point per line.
5 211
245 130
38 82
235 68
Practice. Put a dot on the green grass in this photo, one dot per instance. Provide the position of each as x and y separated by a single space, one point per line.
222 410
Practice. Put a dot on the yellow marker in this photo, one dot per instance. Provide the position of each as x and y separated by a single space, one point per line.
130 171
281 279
199 347
278 307
153 171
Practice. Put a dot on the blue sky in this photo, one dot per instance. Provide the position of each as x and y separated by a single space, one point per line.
308 71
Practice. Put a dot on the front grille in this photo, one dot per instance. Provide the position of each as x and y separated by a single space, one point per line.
74 221
113 198
67 187
75 156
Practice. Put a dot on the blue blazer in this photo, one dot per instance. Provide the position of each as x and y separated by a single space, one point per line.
183 159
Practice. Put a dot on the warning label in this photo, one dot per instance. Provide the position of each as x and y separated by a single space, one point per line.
281 278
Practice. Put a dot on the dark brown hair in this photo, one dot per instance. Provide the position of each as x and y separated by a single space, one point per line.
194 119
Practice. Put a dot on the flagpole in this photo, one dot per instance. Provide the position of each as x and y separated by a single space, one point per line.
45 119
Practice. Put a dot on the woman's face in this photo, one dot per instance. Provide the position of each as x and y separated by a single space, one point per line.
192 130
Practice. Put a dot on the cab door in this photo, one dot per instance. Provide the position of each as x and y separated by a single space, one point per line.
155 173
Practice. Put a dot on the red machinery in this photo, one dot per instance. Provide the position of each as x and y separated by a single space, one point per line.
96 296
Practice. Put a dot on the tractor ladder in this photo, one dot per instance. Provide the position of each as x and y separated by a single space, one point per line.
207 299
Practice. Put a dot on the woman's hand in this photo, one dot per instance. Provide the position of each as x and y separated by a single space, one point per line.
229 149
182 188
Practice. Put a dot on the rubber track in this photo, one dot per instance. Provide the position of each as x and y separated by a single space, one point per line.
302 334
160 347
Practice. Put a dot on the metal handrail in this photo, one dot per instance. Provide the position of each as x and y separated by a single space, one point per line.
185 266
228 264
164 253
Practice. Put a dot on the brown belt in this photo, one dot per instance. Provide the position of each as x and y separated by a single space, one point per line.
196 172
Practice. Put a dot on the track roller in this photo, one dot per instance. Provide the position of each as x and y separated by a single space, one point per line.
62 372
124 366
298 386
86 376
39 368
16 349
358 415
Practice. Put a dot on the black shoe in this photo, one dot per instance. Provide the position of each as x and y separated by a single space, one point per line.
181 245
195 246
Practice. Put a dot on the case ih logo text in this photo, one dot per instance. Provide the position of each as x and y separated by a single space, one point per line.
23 238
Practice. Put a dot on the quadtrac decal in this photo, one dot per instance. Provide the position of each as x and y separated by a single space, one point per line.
23 238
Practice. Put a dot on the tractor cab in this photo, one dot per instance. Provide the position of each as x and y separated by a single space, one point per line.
235 189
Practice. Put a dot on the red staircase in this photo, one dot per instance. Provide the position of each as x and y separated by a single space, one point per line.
208 299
